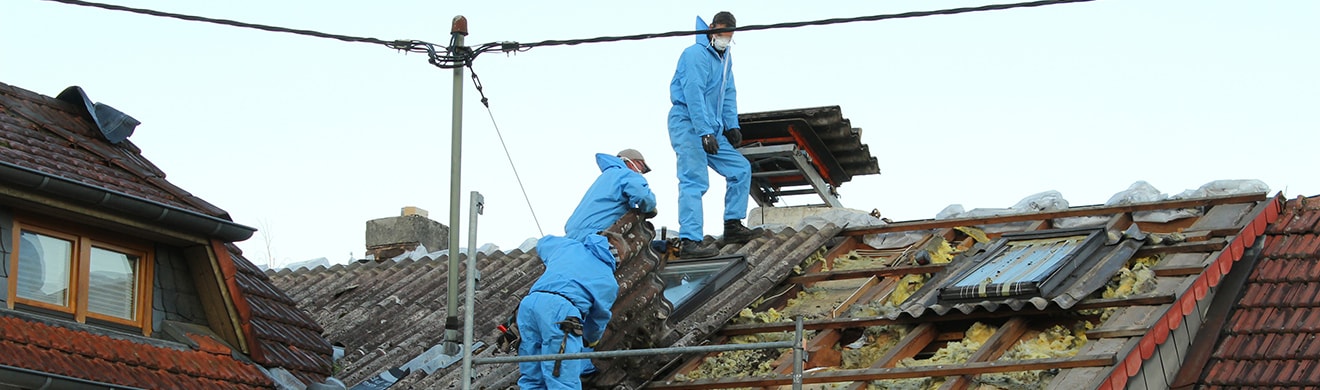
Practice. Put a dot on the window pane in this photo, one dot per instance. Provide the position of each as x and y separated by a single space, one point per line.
683 281
43 268
112 286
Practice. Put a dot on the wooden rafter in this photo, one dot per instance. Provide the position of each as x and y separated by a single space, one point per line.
863 322
864 273
994 347
1097 360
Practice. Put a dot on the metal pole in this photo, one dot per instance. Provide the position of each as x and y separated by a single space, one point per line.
634 352
799 353
458 30
476 206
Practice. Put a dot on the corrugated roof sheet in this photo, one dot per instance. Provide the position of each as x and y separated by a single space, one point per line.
389 312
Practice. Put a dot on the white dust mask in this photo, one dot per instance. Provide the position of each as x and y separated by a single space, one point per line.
721 43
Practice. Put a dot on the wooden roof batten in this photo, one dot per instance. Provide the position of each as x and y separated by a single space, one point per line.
1014 322
1083 211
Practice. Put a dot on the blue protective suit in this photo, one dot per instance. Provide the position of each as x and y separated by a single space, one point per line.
576 283
578 279
705 102
615 191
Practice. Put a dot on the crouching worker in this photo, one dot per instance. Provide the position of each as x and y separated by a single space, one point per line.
568 307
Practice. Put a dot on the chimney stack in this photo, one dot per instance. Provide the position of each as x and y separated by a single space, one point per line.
393 236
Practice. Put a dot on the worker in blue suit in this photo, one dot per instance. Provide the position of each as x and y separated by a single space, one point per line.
704 130
568 307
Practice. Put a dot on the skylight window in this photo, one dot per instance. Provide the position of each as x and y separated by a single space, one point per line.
689 283
1024 265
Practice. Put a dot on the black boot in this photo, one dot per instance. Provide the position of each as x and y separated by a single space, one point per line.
688 249
736 233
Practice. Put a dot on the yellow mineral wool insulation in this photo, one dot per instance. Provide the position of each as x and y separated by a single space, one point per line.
1128 282
853 260
943 253
878 340
742 362
1149 261
906 286
974 233
1055 342
816 257
811 303
747 316
872 309
956 352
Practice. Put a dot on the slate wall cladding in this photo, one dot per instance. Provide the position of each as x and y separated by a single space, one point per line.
6 236
175 298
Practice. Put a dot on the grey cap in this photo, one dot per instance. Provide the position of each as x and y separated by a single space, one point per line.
634 155
631 154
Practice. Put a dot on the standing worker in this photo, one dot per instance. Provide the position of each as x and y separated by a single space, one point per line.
568 307
703 129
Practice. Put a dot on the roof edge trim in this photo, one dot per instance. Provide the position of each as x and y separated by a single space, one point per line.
144 209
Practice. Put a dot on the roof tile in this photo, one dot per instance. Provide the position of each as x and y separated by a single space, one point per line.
1270 339
105 359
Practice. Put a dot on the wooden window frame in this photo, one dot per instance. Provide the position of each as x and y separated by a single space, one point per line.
80 273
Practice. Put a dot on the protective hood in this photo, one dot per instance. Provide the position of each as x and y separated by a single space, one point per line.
702 39
605 161
614 192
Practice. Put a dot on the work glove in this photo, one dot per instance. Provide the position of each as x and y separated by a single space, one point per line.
590 344
649 214
734 136
709 144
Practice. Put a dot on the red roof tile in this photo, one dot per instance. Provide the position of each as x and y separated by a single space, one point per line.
51 348
1270 339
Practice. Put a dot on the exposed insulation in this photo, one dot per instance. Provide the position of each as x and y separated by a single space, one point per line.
956 352
872 309
742 363
1055 342
1140 279
816 257
1134 279
747 316
906 286
854 260
943 252
876 340
974 233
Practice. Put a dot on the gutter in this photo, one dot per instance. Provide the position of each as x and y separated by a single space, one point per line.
31 379
133 206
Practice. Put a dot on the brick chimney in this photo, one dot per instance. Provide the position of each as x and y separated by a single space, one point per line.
393 236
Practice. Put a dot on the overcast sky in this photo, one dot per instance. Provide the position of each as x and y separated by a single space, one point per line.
306 138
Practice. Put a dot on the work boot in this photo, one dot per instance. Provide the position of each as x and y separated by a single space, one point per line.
688 249
736 233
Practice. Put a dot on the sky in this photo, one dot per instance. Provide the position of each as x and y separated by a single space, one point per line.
306 139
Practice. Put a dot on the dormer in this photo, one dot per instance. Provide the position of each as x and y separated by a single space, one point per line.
114 276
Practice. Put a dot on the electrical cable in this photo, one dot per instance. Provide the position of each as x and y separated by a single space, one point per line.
463 56
226 22
952 11
476 81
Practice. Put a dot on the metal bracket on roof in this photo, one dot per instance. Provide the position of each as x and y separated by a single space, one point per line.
764 188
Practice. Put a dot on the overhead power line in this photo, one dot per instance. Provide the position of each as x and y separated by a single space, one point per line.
822 22
462 56
226 22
